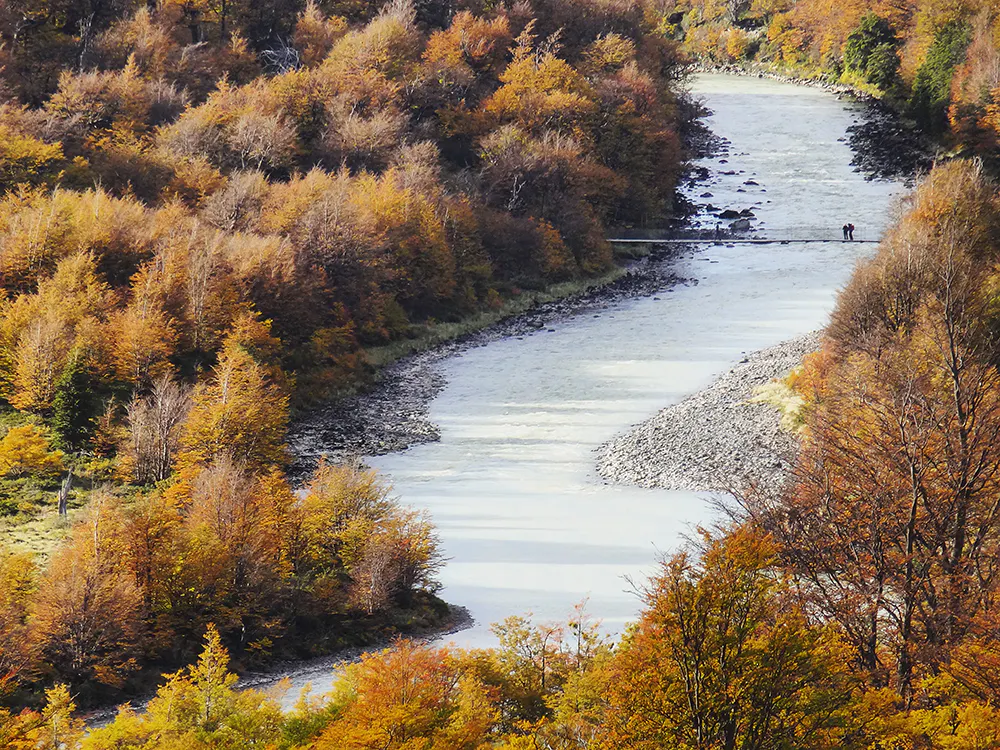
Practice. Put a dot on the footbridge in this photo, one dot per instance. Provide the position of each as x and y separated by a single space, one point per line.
737 241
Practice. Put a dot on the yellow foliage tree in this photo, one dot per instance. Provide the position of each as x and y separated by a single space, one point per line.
54 728
411 696
38 331
25 159
198 708
85 618
142 338
540 91
17 584
26 450
240 412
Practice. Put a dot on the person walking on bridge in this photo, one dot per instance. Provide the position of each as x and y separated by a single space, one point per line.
850 231
846 231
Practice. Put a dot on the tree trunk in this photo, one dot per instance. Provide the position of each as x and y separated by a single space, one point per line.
64 495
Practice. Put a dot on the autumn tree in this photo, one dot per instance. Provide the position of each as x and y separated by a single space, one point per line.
723 657
891 526
315 34
540 91
348 522
53 728
198 707
26 159
151 541
234 536
407 695
17 585
84 618
44 329
240 413
26 449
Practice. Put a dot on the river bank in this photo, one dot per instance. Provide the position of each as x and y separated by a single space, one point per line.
504 461
719 439
392 415
319 672
506 422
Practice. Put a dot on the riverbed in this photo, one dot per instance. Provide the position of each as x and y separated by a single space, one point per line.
525 522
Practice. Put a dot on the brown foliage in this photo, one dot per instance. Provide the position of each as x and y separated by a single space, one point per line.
85 616
892 527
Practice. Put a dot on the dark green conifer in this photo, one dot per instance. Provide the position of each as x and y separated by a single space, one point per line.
74 404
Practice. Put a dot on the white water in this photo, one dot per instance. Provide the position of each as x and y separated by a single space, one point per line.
511 485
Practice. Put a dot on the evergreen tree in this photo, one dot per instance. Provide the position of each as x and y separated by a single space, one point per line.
74 405
871 51
932 86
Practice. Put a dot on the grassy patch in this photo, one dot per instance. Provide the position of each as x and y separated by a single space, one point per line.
632 250
780 395
29 511
40 534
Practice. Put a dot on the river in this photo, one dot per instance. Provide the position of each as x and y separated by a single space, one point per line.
525 522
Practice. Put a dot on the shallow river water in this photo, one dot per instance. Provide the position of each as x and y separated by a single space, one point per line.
525 522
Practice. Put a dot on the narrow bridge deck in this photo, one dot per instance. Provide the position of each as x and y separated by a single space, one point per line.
740 241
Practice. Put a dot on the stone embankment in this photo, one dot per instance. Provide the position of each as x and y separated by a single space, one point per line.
716 439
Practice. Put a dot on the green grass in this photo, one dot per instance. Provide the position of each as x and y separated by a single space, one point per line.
29 512
631 250
34 525
40 534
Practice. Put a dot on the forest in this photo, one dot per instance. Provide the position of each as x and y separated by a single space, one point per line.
855 608
214 215
937 62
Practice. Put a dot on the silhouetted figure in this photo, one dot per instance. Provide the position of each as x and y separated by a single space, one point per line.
847 230
850 231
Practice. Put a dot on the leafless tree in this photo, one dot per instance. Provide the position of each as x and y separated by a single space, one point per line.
154 429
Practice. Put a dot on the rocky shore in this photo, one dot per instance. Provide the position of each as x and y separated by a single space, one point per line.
716 439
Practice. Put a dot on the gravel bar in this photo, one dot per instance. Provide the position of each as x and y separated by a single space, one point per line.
715 439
